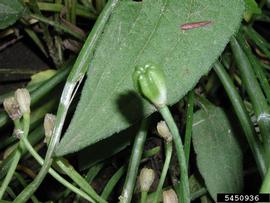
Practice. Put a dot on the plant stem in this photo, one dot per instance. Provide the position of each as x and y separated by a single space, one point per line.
78 179
242 116
256 95
112 182
89 177
53 172
120 172
93 171
34 137
184 186
202 191
10 172
18 153
67 7
151 152
59 26
265 188
256 67
258 39
168 154
47 37
73 11
189 119
143 197
134 163
10 192
56 7
36 40
100 5
24 184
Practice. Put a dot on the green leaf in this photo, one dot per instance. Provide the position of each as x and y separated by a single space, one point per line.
10 12
219 157
147 32
251 8
40 77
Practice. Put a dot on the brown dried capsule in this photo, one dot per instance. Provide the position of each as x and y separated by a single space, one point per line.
23 98
12 108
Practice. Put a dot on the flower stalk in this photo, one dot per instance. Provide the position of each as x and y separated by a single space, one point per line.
150 82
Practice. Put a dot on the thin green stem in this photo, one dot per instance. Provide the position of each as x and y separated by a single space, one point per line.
24 184
189 119
91 174
134 163
4 201
255 94
56 7
39 159
120 172
200 192
100 5
67 6
73 11
256 67
143 197
263 18
258 39
151 152
93 171
78 179
36 40
184 186
10 172
112 182
265 187
242 116
59 26
166 165
47 37
17 155
10 192
89 4
34 137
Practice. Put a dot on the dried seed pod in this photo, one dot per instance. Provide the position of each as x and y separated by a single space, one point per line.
169 196
48 125
23 98
146 178
164 131
12 108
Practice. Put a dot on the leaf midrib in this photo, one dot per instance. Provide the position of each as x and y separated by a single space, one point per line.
135 60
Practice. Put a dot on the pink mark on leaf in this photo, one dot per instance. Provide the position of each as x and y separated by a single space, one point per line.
189 26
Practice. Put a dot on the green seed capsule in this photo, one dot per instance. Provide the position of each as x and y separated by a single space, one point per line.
150 81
